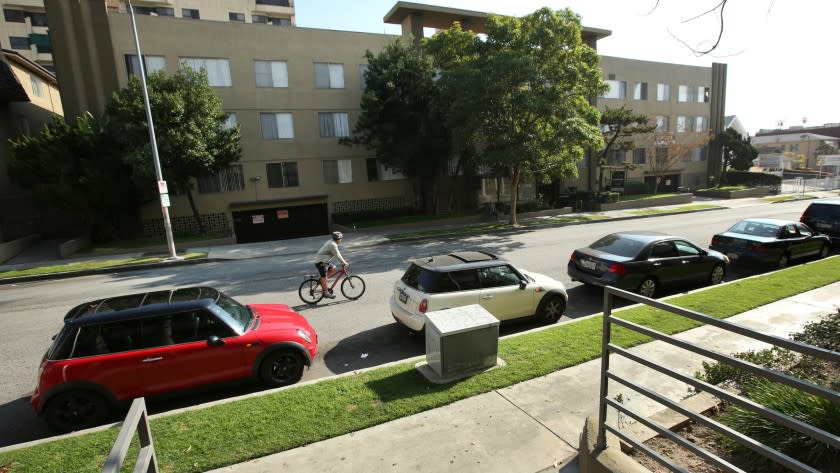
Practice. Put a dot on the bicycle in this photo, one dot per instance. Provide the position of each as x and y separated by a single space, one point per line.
352 286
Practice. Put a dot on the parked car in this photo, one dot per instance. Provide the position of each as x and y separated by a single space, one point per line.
112 350
823 215
644 262
474 277
770 241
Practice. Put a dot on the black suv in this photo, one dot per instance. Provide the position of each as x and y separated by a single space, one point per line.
823 215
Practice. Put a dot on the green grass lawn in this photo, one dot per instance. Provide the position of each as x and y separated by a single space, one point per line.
682 208
789 197
625 198
242 430
137 243
100 264
724 188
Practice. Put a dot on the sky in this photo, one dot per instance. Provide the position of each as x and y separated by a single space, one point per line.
781 54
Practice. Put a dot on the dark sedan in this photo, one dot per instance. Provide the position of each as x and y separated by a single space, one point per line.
645 261
770 241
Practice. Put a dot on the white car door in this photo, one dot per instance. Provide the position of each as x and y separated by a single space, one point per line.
501 294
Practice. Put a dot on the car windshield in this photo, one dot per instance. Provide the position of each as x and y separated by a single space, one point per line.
235 314
421 279
620 245
747 227
823 211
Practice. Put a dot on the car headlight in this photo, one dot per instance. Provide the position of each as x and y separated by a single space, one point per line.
304 335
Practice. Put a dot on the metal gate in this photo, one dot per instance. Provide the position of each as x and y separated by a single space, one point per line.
280 223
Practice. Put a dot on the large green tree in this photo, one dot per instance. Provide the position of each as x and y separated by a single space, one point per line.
76 168
402 117
738 152
620 125
189 124
522 93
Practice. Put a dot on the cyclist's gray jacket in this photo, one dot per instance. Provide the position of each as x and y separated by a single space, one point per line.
329 251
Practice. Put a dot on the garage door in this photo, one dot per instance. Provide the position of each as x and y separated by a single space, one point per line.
280 223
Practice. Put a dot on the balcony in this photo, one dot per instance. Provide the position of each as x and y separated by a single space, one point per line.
275 7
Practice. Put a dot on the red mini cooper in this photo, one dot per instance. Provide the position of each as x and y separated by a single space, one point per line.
113 350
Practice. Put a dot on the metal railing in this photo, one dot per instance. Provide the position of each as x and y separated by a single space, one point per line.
609 349
137 420
800 185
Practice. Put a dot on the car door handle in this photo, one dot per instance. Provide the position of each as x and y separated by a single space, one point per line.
486 297
152 360
657 264
685 261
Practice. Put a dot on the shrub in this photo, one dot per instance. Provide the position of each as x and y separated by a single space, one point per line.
368 215
632 188
752 179
824 333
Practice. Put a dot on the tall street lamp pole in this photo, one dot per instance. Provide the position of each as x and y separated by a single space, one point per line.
162 189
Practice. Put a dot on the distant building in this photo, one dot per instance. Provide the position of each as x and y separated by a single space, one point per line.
828 129
732 121
793 145
295 91
24 30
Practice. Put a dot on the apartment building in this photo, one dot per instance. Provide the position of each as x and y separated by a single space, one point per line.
801 149
294 92
24 30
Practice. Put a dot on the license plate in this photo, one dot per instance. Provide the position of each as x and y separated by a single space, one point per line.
403 297
588 264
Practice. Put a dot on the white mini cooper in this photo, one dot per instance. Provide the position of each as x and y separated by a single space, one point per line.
474 277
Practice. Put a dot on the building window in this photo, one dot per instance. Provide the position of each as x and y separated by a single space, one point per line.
14 16
376 171
218 70
283 174
663 92
229 179
702 124
19 42
333 124
640 91
37 85
685 124
151 63
700 153
661 154
190 13
362 71
38 19
703 94
663 123
41 42
615 158
238 17
793 147
617 90
639 156
338 171
270 20
155 11
271 73
230 121
277 126
684 94
276 3
329 76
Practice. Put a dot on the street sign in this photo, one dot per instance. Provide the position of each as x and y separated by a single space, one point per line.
164 200
162 187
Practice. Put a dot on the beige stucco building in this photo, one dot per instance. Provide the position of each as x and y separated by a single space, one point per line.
294 92
23 29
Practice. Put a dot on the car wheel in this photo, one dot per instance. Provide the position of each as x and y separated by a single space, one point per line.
824 251
717 275
552 309
648 287
783 261
76 410
281 368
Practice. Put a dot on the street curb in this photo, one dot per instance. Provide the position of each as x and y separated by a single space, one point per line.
112 269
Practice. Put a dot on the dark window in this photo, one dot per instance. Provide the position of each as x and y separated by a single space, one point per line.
421 279
277 3
618 245
14 16
686 249
155 11
804 230
823 211
38 19
639 156
283 174
498 276
19 42
107 338
372 169
663 249
233 16
259 19
466 280
229 179
190 13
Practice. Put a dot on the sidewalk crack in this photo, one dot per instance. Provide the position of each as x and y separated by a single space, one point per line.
535 419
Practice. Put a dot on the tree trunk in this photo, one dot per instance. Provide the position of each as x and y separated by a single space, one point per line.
514 193
656 185
196 215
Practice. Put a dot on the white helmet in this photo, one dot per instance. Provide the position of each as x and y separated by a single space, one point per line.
337 236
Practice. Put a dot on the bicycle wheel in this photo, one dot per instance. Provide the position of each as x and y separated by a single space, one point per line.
310 291
353 287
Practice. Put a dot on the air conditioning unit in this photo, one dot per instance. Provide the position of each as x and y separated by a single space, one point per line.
461 341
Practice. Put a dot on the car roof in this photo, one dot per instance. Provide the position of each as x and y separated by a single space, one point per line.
772 221
458 260
829 201
142 305
645 236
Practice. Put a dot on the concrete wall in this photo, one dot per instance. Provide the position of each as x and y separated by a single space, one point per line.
592 459
636 204
735 194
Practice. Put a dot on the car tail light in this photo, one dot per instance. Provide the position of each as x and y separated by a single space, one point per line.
573 258
759 248
802 219
618 269
424 305
716 240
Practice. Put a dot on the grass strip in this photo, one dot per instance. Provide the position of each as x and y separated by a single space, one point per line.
246 429
101 264
683 208
790 197
140 243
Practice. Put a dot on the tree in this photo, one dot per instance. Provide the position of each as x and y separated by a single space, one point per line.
738 152
668 151
402 117
77 169
620 126
189 127
523 92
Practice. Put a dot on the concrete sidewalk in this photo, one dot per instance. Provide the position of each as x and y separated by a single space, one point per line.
534 426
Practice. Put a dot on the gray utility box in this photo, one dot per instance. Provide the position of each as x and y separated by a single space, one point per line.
461 341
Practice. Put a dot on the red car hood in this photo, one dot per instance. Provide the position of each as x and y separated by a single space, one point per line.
279 317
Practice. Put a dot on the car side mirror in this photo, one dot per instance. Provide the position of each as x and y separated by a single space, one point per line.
703 252
523 284
215 341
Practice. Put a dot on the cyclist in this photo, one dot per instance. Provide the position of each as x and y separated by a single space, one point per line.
327 253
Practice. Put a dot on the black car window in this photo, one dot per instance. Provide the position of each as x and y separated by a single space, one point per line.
789 231
804 230
686 249
465 280
208 324
156 332
663 249
99 339
498 276
823 211
618 245
747 227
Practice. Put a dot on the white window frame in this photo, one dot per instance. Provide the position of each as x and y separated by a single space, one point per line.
273 74
334 78
639 89
37 85
343 170
702 124
218 69
684 94
617 90
663 92
277 126
338 124
230 121
152 64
